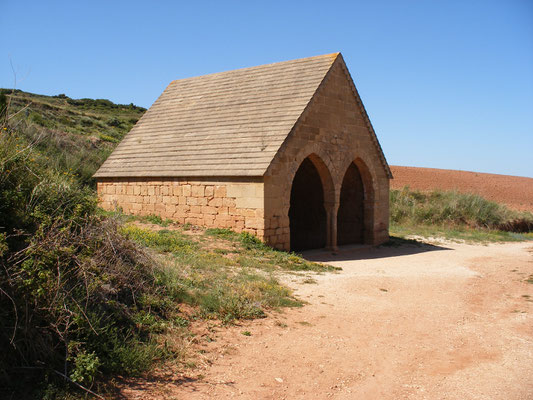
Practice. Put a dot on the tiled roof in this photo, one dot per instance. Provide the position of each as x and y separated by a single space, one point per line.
226 124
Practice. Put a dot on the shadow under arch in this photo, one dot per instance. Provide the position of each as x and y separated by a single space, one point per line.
312 197
355 216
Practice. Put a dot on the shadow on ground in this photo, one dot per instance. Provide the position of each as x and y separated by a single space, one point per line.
152 382
393 248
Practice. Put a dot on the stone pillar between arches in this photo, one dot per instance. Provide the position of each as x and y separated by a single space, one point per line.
332 209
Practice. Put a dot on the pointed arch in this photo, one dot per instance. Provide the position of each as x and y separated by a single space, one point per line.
312 193
356 205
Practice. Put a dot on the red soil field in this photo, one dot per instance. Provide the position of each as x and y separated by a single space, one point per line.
514 191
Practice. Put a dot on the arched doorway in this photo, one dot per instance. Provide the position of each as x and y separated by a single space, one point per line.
307 215
351 214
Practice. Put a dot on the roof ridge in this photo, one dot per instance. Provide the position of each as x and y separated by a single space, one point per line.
333 57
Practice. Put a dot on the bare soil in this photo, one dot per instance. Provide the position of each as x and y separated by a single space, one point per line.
514 191
445 321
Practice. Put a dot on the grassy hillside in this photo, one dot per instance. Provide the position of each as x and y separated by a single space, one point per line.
76 135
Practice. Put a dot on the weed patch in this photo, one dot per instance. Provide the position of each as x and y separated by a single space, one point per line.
156 220
163 240
452 211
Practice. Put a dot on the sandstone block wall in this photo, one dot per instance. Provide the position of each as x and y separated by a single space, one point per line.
203 202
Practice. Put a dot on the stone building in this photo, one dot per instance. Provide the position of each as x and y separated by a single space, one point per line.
285 151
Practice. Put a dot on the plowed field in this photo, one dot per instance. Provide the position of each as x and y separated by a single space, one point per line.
514 191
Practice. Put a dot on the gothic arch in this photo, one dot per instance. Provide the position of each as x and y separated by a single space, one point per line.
311 199
355 216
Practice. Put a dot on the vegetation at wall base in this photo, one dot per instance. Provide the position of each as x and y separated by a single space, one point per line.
225 275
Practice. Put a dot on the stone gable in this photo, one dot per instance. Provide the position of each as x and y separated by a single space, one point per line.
335 132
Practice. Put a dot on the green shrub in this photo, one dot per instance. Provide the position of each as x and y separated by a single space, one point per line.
85 367
251 241
114 121
83 282
38 119
221 303
86 121
157 220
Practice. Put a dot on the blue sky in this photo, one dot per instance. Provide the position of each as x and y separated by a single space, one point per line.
447 84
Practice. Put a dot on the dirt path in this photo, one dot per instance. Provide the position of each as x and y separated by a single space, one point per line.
448 322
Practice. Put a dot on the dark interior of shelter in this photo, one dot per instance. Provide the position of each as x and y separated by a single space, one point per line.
350 217
307 213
